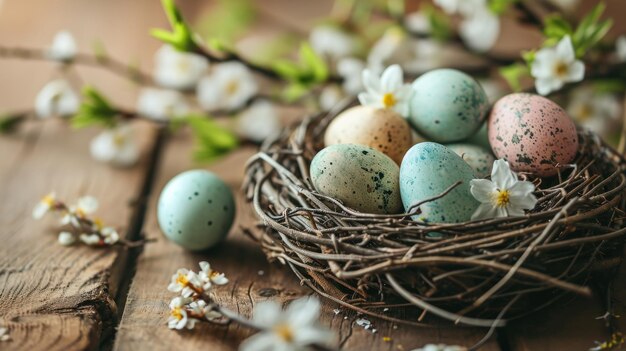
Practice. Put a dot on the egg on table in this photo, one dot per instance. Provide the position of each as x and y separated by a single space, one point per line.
447 105
532 133
479 158
382 129
427 170
196 209
359 176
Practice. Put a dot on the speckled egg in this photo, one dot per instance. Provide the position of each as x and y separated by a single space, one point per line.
447 105
361 177
382 129
427 170
196 209
533 133
476 156
480 138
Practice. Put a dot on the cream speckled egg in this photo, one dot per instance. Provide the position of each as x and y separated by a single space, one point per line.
447 105
533 133
359 176
427 170
196 209
476 156
381 129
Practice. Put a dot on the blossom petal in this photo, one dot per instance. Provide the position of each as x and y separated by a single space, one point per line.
263 341
565 49
303 311
371 81
482 189
485 211
576 71
515 211
313 335
391 78
267 313
501 175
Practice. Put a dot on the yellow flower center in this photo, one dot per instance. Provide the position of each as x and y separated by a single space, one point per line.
502 198
48 200
182 279
585 112
98 223
118 140
561 69
232 87
176 313
284 332
182 65
389 100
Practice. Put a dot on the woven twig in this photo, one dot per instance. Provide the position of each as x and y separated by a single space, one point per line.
480 273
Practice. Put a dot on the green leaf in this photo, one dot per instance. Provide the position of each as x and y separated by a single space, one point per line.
591 30
8 123
311 69
211 139
500 6
513 74
94 110
181 36
314 63
556 27
226 20
609 86
99 50
529 56
440 24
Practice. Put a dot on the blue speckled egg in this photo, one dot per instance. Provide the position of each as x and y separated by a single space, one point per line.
479 158
196 209
362 178
447 105
427 170
480 138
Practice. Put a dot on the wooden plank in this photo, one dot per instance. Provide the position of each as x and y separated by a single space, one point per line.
143 325
54 297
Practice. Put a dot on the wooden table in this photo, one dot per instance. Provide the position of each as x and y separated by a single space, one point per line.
76 298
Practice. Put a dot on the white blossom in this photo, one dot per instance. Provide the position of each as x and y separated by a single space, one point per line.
178 70
111 236
441 347
184 281
208 276
417 22
350 70
90 239
63 47
330 96
66 238
258 122
480 30
504 195
387 91
179 318
292 329
116 146
161 104
200 307
56 98
85 206
598 112
393 47
555 66
461 7
229 87
44 205
4 334
427 55
620 48
332 42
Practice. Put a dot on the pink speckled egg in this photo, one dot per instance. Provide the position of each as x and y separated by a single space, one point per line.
533 133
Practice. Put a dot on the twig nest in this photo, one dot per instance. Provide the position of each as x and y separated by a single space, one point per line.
428 170
196 209
382 129
533 133
359 176
447 105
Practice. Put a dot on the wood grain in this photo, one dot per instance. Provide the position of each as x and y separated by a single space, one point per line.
54 297
143 324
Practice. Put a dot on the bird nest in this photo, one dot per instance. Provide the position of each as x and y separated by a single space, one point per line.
479 273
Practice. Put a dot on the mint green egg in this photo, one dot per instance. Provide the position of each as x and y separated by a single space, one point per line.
427 170
480 138
447 105
480 159
360 177
196 210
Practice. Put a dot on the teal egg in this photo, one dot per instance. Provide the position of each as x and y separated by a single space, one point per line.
447 105
427 170
196 209
481 137
479 158
360 177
